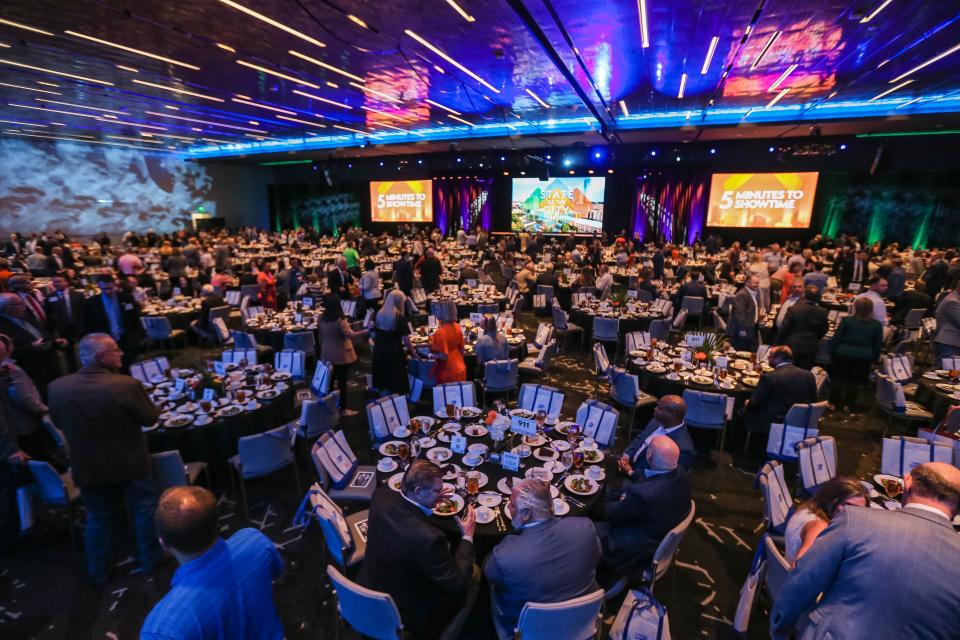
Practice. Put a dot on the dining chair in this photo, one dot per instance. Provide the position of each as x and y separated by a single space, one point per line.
461 394
602 366
317 416
625 393
777 501
340 473
373 614
159 329
492 308
344 535
538 365
644 296
169 470
888 395
707 411
563 327
261 455
659 329
534 397
778 569
666 551
634 341
695 306
385 415
607 330
499 376
542 337
574 618
301 341
250 291
598 420
801 421
55 489
817 462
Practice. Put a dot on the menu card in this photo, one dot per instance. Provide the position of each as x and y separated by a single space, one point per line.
458 444
510 461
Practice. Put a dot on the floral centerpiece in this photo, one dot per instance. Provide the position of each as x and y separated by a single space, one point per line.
618 296
714 345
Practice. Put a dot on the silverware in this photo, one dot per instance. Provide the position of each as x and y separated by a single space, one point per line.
498 518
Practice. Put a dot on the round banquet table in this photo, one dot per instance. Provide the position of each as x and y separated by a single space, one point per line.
934 398
516 343
179 317
216 442
640 321
488 534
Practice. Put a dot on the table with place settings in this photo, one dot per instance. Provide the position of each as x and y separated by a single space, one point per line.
541 455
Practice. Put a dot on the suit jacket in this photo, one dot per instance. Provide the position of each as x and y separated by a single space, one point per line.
780 389
657 261
96 321
804 325
948 320
409 558
693 289
336 280
403 275
40 363
430 270
847 267
681 436
59 321
936 277
519 571
883 574
911 299
101 415
636 523
209 302
743 315
176 266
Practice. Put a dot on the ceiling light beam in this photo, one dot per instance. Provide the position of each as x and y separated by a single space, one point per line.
927 63
139 52
446 57
272 22
56 73
783 77
277 74
178 91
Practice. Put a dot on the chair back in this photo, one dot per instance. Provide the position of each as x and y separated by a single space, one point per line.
266 452
575 618
386 415
693 304
914 319
322 375
635 340
150 370
705 410
606 329
886 393
222 312
624 387
817 458
719 323
250 290
546 355
320 415
546 290
598 421
777 568
667 549
517 306
251 312
644 296
304 341
233 297
47 483
534 397
157 327
664 306
600 359
660 329
777 501
236 356
544 331
349 308
333 460
242 340
461 394
493 308
559 319
500 375
168 470
336 531
680 320
371 613
806 415
291 361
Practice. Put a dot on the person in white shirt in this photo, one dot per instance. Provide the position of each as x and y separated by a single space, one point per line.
878 286
604 282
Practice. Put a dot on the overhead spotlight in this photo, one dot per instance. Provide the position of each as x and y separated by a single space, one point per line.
503 158
350 165
843 147
549 157
420 161
314 166
381 163
609 170
459 159
678 158
572 172
713 152
771 149
567 162
506 173
481 165
653 152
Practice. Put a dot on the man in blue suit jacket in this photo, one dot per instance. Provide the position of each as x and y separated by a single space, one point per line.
667 421
883 574
550 560
637 520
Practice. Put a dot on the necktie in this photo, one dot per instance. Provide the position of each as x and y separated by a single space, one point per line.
35 308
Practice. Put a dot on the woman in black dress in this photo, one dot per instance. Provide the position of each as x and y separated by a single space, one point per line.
391 345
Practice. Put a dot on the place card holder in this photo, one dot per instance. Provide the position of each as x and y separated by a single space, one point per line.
476 318
510 461
523 426
458 444
307 302
180 384
209 394
219 368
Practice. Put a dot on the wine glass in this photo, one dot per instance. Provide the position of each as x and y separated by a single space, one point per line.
540 418
414 449
566 459
573 433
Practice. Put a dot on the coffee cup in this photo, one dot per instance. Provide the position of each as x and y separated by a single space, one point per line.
594 471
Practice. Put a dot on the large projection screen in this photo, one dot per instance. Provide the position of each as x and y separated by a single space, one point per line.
401 201
557 205
762 200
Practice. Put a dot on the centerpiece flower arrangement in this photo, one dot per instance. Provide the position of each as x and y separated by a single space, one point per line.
714 345
618 296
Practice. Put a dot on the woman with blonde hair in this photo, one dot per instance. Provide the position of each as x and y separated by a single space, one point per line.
391 345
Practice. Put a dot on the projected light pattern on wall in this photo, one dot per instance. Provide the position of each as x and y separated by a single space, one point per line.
85 189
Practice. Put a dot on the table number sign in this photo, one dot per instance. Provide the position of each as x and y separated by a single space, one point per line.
510 461
524 426
219 368
307 302
458 444
209 394
476 318
180 384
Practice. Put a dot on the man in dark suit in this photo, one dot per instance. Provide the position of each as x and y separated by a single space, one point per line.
695 288
916 298
635 522
547 278
937 275
519 571
744 315
803 327
116 314
409 558
33 346
430 271
854 269
778 390
64 309
658 262
883 574
339 280
403 273
210 299
667 421
101 413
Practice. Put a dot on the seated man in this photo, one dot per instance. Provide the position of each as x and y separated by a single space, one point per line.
778 390
409 558
667 421
223 588
636 521
913 553
519 572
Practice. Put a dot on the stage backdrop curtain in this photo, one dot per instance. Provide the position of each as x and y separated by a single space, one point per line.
671 206
462 203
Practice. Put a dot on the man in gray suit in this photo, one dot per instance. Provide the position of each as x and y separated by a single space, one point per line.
744 315
551 560
883 574
947 338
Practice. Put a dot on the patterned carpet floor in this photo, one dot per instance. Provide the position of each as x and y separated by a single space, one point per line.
45 592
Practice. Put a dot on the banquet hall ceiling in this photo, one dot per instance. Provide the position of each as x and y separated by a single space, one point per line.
222 77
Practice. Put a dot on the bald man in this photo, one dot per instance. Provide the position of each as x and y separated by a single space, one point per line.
667 421
223 588
883 574
636 520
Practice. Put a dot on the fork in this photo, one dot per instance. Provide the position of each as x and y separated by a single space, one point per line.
500 525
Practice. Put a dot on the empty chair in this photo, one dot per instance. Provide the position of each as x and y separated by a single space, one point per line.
517 307
250 291
262 454
890 399
601 363
680 321
636 340
625 393
537 397
802 421
344 535
304 341
371 613
546 290
574 618
777 568
563 328
707 411
537 366
694 306
54 489
243 340
233 297
222 312
493 308
607 330
666 551
659 329
341 475
817 458
459 394
159 329
317 416
777 501
322 376
544 333
499 376
644 296
598 421
386 415
292 361
913 321
169 470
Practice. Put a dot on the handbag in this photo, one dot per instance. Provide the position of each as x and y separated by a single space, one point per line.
640 617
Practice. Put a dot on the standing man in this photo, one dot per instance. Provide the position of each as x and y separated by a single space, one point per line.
117 314
64 308
223 588
101 413
794 293
744 315
882 574
878 287
403 272
33 346
430 271
804 325
339 280
855 270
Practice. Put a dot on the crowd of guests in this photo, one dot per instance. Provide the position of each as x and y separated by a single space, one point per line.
64 351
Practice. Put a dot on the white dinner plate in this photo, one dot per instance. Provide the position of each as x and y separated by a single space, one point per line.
390 448
455 500
485 515
560 507
489 498
592 485
476 430
592 456
438 455
394 481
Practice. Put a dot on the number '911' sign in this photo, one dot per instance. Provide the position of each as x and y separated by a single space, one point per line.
524 426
